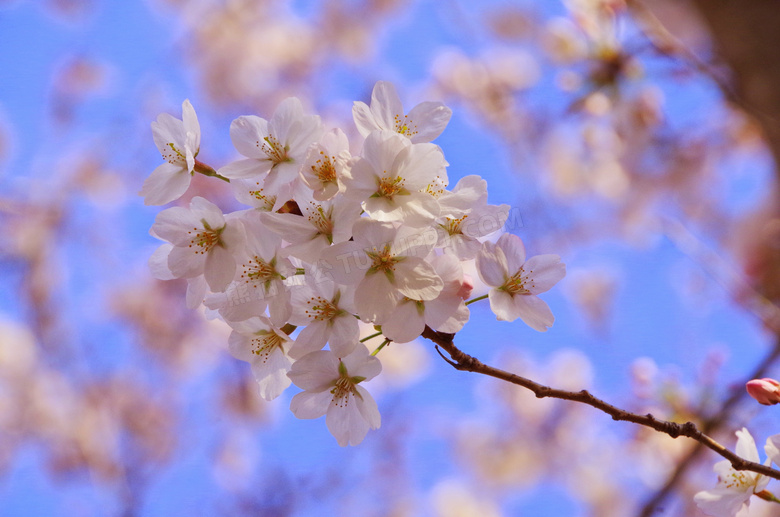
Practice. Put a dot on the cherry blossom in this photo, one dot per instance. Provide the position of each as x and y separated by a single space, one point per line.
204 242
179 143
265 346
332 388
326 164
424 122
731 497
516 281
391 178
275 148
384 261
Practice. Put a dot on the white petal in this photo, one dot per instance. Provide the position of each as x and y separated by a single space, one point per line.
345 263
368 408
534 312
375 297
245 169
772 448
386 105
491 265
310 404
514 251
158 263
502 305
361 363
315 371
247 134
721 502
190 122
196 292
166 183
364 119
271 375
344 334
184 263
405 324
430 119
417 279
310 339
544 271
219 269
346 423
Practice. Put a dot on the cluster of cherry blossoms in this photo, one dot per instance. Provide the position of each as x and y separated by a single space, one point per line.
330 238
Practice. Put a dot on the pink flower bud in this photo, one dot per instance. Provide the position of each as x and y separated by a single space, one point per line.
465 288
765 391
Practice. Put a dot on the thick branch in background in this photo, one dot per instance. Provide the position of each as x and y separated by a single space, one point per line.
746 35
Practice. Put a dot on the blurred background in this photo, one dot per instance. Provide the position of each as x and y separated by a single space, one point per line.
626 137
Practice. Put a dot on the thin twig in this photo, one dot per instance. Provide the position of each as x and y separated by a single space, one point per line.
464 362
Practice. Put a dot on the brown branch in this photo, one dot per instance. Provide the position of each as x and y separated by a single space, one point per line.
709 426
464 362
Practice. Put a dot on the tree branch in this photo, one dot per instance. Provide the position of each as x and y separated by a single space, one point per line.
464 362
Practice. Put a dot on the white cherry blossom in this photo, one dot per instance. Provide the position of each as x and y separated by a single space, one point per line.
391 178
204 242
424 122
326 164
516 281
731 496
179 143
266 347
332 388
384 261
275 149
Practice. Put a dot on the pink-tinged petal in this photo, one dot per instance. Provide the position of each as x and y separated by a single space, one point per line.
310 339
722 502
429 119
414 209
344 335
219 269
158 263
438 311
344 263
544 271
534 312
465 248
165 184
190 122
316 371
362 181
271 375
491 265
196 292
364 119
207 211
279 306
386 105
308 404
184 263
375 297
469 192
360 363
368 408
245 169
308 131
346 423
414 242
247 134
405 324
514 251
417 279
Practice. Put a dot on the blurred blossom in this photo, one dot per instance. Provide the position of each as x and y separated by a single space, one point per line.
403 364
593 292
76 80
453 498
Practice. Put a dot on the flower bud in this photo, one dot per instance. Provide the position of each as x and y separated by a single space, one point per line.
765 391
466 287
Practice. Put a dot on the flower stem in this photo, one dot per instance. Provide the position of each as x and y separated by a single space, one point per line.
371 336
380 347
208 170
478 298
